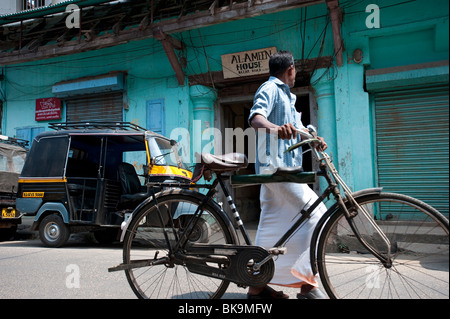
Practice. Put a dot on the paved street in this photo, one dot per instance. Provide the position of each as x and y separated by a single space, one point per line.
79 270
30 270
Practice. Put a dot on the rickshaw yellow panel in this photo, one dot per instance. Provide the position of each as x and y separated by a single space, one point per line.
42 180
170 170
8 213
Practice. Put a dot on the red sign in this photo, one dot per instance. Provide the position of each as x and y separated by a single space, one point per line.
48 109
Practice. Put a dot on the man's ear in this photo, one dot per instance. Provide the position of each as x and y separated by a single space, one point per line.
291 70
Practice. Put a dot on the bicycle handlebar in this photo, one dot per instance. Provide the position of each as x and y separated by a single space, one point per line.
297 145
305 134
310 137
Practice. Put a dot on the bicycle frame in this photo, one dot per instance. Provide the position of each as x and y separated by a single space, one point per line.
206 242
327 170
351 209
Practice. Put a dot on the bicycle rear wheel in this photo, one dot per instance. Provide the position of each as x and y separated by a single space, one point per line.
419 251
146 241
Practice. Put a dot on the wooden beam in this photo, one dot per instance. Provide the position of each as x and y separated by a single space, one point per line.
118 25
183 8
167 43
303 66
144 23
90 34
237 11
175 25
212 7
336 19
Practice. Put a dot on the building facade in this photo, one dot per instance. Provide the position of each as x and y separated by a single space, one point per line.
373 77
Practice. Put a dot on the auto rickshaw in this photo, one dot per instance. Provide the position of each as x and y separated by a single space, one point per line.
91 176
13 152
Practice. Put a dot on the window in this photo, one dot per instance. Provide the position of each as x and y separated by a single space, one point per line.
28 133
18 161
3 162
33 4
47 157
155 116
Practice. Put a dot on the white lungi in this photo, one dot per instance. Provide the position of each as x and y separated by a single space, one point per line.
281 204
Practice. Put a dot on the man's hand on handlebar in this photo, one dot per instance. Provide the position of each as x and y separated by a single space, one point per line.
322 146
287 131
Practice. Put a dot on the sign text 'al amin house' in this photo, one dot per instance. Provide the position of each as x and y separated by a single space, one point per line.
246 63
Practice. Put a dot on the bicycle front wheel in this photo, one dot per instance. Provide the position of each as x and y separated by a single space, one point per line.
418 235
159 275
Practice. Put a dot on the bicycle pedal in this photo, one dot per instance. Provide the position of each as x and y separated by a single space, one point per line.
277 251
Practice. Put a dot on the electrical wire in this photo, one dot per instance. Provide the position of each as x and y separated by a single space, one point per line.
197 50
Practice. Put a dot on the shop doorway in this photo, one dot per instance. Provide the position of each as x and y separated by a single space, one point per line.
233 112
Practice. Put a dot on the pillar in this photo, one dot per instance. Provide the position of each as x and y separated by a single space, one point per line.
323 84
203 99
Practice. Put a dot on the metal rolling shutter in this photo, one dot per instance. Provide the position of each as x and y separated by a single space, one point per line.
412 136
102 107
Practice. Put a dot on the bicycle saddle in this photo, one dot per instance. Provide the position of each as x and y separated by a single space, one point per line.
282 171
223 163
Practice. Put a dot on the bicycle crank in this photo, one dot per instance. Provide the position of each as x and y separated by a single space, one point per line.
231 262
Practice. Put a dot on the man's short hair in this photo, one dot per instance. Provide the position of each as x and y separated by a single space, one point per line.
279 62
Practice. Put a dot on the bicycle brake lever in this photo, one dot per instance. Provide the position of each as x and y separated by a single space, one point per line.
297 145
304 134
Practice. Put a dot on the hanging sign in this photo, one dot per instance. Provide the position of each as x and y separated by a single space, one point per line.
247 63
48 109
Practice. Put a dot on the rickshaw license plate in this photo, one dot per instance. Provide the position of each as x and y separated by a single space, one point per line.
8 213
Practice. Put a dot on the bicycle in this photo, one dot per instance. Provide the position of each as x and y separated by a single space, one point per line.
369 244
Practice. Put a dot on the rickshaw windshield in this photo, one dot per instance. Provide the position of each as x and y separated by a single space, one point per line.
163 152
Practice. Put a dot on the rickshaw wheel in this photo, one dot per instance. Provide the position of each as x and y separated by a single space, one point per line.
53 232
200 233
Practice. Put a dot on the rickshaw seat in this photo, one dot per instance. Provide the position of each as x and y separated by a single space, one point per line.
128 179
131 186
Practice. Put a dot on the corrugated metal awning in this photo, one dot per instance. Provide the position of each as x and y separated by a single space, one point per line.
93 85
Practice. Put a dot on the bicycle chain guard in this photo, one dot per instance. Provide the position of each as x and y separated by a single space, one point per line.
230 262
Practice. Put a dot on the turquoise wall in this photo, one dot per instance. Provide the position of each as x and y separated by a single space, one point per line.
411 32
282 30
148 78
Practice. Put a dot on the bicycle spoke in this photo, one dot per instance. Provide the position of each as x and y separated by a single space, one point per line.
419 252
148 240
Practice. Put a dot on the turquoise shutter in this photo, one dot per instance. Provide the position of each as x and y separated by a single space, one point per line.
99 107
412 139
28 133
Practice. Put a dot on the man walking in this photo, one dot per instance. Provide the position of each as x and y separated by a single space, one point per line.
274 111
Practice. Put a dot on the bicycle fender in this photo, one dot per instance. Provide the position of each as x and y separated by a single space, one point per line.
321 224
124 226
367 191
151 201
148 200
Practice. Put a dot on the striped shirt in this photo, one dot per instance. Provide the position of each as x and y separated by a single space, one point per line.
276 103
